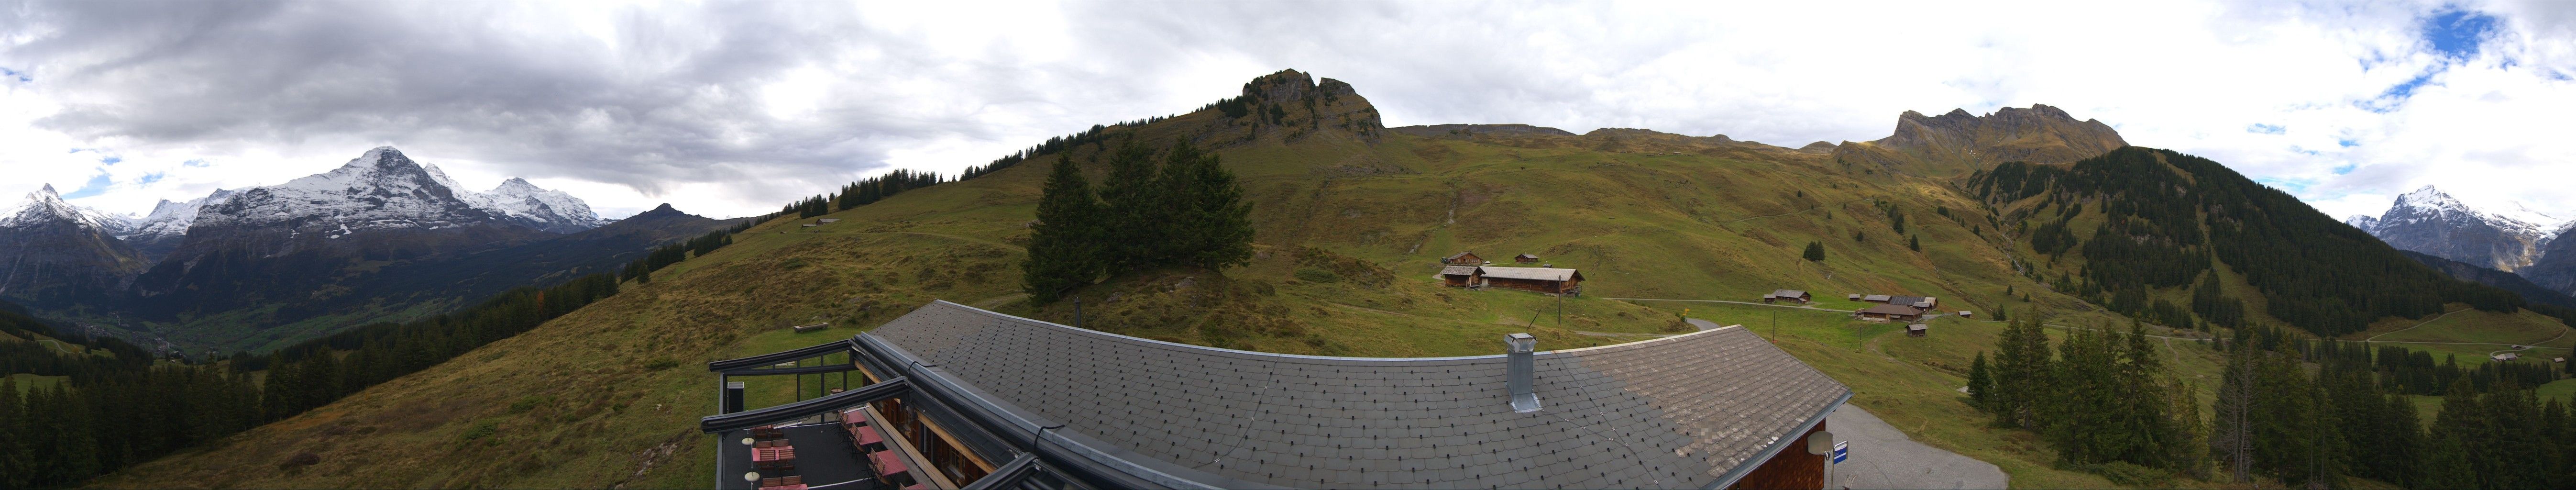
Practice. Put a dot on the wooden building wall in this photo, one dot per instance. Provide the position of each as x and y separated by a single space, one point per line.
1553 287
1792 468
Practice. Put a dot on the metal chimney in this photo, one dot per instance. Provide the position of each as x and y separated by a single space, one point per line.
1523 369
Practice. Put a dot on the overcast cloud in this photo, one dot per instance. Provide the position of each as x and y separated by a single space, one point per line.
734 108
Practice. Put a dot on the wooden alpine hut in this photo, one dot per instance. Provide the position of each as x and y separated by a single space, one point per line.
1541 279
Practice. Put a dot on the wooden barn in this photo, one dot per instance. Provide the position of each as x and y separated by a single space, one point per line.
1540 279
1918 330
1875 298
1462 276
1789 294
1464 258
1525 259
1890 313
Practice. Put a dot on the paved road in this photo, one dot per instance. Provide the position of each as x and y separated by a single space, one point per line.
1882 457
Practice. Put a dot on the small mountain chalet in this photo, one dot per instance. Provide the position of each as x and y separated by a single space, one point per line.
1541 279
1525 259
959 397
1462 276
1919 302
1789 294
1890 312
1463 258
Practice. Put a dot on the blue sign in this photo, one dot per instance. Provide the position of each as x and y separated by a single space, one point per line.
1842 451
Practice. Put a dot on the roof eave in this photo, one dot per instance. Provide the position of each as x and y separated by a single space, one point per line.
1731 476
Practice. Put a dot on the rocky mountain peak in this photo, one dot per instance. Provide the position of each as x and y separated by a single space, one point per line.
45 205
1959 141
2433 222
1291 105
2362 221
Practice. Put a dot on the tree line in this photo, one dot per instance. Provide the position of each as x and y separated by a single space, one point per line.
73 431
641 270
2307 412
1183 210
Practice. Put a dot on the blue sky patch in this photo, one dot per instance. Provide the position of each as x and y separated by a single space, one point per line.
2457 34
2260 128
2347 142
149 178
199 163
97 185
2345 168
2299 185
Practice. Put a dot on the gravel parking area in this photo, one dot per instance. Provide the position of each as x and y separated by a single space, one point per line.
1882 457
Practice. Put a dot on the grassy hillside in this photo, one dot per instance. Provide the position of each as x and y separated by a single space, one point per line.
1350 225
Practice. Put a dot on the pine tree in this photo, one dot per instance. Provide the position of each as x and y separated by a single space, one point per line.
1815 252
1978 382
1065 245
2231 437
1911 242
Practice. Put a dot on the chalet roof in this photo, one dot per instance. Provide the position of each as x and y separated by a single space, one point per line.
1788 293
1459 254
1918 326
1458 270
1532 273
1911 300
1694 410
1892 309
1524 256
1876 297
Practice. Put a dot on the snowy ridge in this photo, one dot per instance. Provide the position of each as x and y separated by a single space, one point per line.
383 189
45 205
2428 204
2363 221
171 219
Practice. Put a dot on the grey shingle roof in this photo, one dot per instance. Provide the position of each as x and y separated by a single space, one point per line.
1681 411
1788 293
1537 273
1874 297
1458 270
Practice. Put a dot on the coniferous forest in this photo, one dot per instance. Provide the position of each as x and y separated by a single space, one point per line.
72 431
2309 413
1185 210
2169 219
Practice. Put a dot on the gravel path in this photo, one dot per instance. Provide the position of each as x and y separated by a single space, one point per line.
1882 457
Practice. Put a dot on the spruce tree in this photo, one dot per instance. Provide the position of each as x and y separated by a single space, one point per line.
1978 381
1065 245
1135 222
1911 242
1815 252
1212 224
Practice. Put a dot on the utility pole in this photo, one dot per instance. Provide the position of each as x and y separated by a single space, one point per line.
1560 309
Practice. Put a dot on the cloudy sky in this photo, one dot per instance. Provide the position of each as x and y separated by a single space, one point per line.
735 108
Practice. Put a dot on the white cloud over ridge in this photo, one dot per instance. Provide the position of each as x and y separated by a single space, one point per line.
734 108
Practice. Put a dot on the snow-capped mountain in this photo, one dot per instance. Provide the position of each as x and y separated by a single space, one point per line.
46 205
2365 222
160 231
52 252
2432 222
549 210
381 206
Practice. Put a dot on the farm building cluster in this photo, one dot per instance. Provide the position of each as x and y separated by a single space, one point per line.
1466 270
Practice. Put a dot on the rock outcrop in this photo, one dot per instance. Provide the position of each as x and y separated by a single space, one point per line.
1957 142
